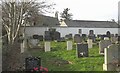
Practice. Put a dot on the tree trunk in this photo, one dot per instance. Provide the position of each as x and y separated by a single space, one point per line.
12 57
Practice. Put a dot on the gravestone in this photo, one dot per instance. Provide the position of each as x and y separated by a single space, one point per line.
116 35
106 38
40 37
91 35
111 58
91 32
82 50
47 46
56 35
80 31
77 38
32 62
84 37
35 36
69 36
69 45
90 43
102 45
108 34
114 39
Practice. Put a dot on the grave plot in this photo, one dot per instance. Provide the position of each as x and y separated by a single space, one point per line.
112 58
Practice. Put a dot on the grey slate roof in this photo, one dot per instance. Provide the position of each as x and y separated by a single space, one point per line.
47 21
91 24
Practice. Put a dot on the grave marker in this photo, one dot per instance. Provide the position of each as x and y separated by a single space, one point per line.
111 59
103 44
82 50
90 43
69 45
47 46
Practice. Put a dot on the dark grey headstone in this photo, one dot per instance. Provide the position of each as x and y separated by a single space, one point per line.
56 35
48 38
80 31
108 34
35 36
69 36
40 38
82 50
32 62
91 32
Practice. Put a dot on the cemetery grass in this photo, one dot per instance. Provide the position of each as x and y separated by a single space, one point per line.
60 59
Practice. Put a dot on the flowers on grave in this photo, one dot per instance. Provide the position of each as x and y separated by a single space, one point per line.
41 69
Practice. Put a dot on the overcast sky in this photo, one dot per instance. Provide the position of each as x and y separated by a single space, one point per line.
88 9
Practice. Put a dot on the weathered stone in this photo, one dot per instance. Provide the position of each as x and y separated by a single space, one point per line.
82 50
103 44
69 45
47 46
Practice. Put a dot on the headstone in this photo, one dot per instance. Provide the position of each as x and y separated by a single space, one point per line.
40 37
92 36
111 59
80 31
69 45
47 46
32 62
69 36
77 38
114 39
102 45
106 38
35 36
116 35
82 50
48 38
108 34
91 32
84 37
22 47
56 35
90 43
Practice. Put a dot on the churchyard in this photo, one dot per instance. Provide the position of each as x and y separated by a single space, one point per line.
79 52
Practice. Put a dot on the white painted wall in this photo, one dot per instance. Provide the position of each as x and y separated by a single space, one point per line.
65 30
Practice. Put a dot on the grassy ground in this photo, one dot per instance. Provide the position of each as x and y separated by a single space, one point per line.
57 59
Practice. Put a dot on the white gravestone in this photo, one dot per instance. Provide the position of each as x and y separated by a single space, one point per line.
47 46
90 43
106 38
111 58
69 45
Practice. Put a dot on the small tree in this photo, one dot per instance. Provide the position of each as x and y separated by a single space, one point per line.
17 13
66 15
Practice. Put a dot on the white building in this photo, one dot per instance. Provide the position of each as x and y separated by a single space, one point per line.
71 26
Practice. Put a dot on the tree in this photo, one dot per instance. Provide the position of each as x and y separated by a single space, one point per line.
66 15
17 13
